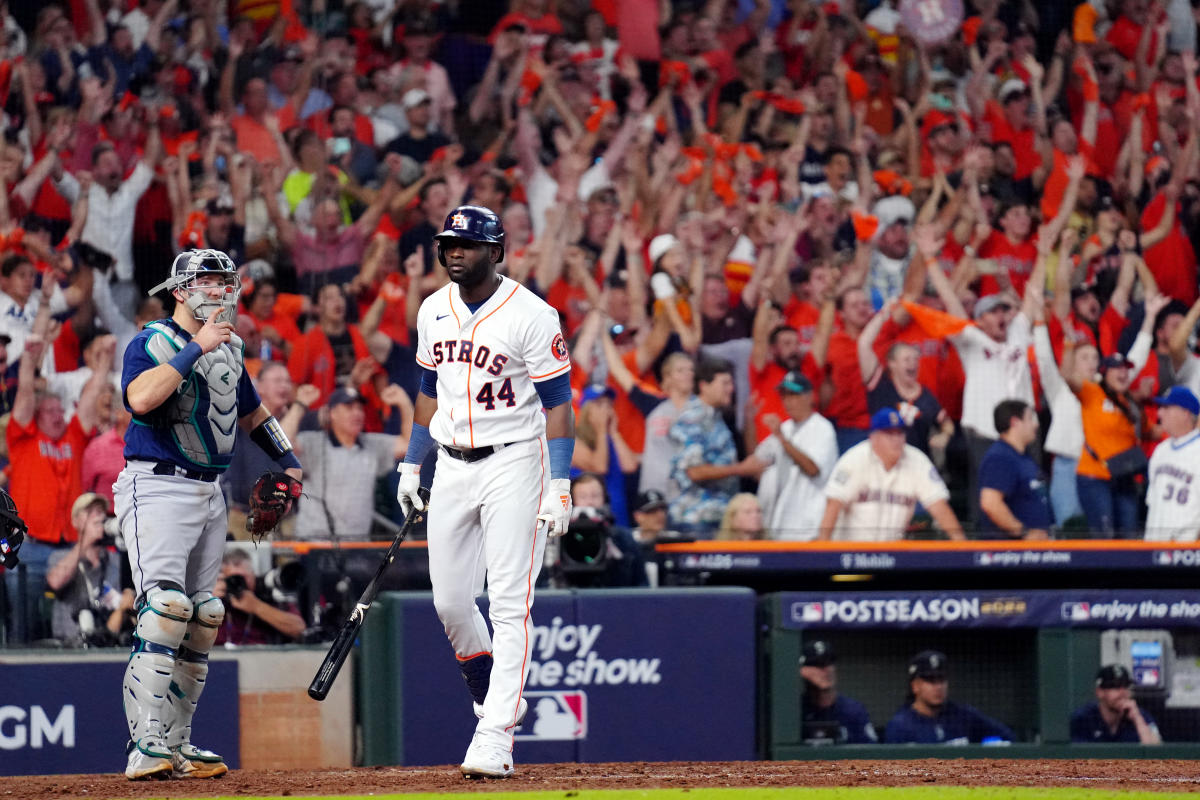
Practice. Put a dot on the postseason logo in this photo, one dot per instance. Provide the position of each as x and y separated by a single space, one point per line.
554 717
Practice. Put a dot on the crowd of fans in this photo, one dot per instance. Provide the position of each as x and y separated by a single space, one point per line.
794 246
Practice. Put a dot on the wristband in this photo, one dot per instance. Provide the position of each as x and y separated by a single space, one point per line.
289 461
271 439
419 444
561 448
185 359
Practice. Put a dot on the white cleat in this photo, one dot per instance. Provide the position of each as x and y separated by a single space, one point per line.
522 710
189 761
149 759
485 760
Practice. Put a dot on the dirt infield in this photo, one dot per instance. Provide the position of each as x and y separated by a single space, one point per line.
1141 775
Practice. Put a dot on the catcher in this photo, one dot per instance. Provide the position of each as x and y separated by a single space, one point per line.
184 382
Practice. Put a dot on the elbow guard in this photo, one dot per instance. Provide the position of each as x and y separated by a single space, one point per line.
271 439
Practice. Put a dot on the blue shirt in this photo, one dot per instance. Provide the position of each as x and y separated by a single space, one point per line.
954 724
851 715
1088 726
1017 477
150 436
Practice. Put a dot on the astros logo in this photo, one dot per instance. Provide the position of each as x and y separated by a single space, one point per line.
458 221
559 348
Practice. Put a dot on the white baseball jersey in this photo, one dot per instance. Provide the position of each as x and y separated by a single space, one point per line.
487 363
793 503
879 502
1173 495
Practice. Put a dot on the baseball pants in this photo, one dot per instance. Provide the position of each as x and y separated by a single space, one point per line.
483 520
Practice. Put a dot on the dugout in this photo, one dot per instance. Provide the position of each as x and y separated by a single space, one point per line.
1026 658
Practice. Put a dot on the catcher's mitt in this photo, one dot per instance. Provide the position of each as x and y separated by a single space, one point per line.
270 500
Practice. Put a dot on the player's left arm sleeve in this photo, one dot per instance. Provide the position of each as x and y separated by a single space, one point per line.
555 391
545 349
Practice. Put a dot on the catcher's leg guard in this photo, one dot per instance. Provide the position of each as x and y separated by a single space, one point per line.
191 668
162 624
477 672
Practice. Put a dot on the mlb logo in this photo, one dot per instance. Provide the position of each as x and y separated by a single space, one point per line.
812 612
554 717
1076 612
1163 558
983 559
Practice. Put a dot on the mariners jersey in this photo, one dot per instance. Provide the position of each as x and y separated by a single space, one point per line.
487 363
196 426
954 724
880 502
1172 495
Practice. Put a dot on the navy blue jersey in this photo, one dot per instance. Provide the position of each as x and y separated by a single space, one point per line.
1088 726
955 724
1016 476
851 716
197 425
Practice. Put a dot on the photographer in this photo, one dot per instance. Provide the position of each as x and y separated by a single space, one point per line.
90 608
595 552
251 617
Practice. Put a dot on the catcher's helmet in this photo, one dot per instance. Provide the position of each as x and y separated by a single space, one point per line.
475 224
192 264
12 531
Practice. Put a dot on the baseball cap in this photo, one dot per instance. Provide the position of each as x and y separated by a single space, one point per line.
989 303
1113 676
887 419
928 664
85 500
817 653
1180 396
893 209
650 500
220 205
414 97
660 245
595 392
344 396
1079 291
1114 360
795 382
1011 88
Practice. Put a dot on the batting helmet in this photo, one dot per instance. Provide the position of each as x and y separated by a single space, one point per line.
474 224
12 531
192 264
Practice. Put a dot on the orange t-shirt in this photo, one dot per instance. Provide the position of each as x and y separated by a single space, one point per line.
254 138
1022 141
1106 431
1017 259
394 323
848 406
630 422
47 479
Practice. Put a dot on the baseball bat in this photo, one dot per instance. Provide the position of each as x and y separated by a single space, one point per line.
322 682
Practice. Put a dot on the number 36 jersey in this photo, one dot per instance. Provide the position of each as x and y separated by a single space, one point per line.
487 363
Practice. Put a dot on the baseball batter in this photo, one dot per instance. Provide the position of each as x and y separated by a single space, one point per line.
495 398
1174 471
184 383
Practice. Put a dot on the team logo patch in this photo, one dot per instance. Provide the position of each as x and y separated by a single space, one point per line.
559 347
458 221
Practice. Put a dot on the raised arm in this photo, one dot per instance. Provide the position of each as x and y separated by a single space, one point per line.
868 362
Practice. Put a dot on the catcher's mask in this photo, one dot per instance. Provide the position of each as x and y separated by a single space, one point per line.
192 266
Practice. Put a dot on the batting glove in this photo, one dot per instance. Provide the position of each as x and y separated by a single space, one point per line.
406 489
556 507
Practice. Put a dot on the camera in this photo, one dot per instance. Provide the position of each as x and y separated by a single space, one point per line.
235 585
584 547
284 582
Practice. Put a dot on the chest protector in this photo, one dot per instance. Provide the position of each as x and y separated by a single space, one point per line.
202 414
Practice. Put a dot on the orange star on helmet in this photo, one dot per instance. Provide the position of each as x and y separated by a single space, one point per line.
458 221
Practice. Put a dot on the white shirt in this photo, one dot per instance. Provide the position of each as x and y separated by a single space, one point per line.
1065 434
487 364
793 503
1173 494
17 321
879 502
1189 374
109 225
994 371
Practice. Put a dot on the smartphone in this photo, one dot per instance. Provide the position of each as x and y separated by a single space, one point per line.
340 145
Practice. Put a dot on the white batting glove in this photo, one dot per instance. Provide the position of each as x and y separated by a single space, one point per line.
556 507
406 489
